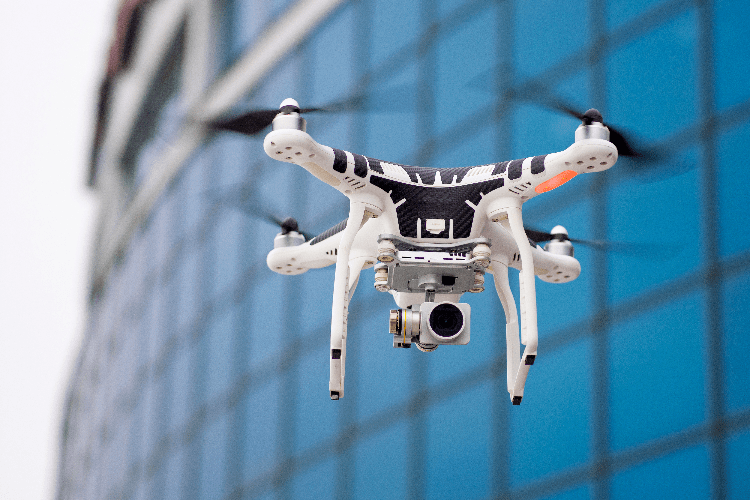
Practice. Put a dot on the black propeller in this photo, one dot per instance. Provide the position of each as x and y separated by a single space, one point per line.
639 249
254 122
541 236
393 99
623 145
242 197
641 157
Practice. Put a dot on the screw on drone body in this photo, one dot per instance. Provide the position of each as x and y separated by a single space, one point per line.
482 253
381 278
386 251
478 282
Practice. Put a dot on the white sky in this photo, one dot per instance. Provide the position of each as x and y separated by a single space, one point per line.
52 57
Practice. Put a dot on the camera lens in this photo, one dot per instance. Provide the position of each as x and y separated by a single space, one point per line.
446 320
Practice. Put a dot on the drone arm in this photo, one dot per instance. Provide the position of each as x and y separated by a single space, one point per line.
358 215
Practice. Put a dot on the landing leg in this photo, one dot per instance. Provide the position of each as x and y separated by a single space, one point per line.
341 283
529 335
513 345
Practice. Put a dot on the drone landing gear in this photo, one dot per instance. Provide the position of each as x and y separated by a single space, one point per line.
517 364
345 280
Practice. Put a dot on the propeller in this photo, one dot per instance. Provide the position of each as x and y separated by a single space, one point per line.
394 99
254 122
642 158
560 234
243 198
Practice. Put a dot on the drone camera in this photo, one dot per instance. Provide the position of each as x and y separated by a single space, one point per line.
431 324
445 322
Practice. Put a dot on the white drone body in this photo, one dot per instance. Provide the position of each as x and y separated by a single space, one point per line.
431 234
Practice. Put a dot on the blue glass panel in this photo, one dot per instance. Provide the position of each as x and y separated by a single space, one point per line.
736 317
645 94
314 306
661 217
477 149
619 13
246 20
317 481
135 430
738 466
317 417
184 394
128 359
153 416
380 372
683 474
733 206
191 182
731 42
486 324
161 220
189 303
157 329
656 380
393 25
446 7
539 129
227 261
217 346
261 318
458 431
283 81
261 427
391 131
332 57
155 486
213 459
551 429
547 32
460 57
381 464
582 493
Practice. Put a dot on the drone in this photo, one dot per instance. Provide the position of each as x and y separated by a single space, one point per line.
432 234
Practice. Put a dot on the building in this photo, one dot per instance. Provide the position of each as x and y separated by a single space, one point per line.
202 374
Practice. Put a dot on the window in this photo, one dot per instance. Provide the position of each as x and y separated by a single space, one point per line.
657 366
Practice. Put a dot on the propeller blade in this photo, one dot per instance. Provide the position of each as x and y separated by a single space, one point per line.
649 250
396 99
250 123
242 198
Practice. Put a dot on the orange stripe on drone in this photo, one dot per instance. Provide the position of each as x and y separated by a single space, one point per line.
556 181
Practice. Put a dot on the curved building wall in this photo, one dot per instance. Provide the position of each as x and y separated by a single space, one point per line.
202 374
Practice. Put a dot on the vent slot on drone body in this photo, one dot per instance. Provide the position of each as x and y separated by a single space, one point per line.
356 184
521 188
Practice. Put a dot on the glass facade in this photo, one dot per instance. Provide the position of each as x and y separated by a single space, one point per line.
204 375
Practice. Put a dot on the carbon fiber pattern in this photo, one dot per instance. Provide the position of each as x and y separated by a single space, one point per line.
329 232
374 165
435 202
